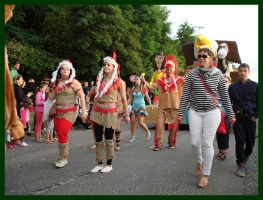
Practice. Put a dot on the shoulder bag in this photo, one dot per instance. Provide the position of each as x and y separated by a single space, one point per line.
222 126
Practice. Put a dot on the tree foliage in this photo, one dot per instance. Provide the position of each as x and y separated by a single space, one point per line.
40 36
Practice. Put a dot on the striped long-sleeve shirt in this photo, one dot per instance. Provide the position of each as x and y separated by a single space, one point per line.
200 100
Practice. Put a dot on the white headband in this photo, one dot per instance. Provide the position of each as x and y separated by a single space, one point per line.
100 76
110 60
64 63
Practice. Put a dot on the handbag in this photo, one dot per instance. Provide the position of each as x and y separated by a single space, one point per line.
53 109
222 126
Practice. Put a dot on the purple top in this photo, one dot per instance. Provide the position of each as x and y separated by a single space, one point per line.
39 102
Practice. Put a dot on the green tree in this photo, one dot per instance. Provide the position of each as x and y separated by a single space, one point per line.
185 34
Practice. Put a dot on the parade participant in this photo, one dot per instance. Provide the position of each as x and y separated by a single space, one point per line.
244 96
120 114
204 114
170 88
138 108
104 113
89 101
65 90
159 60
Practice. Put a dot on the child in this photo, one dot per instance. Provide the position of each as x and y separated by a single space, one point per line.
27 107
49 121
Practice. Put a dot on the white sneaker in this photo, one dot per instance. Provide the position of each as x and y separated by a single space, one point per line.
106 169
61 162
23 144
96 169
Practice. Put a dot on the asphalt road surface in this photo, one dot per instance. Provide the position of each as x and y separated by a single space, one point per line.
137 170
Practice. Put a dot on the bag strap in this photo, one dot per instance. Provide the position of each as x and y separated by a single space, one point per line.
207 89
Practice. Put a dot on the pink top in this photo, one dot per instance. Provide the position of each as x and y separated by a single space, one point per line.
39 101
25 115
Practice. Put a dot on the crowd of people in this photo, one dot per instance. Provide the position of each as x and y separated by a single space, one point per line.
109 102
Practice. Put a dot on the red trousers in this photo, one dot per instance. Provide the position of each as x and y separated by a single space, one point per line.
62 128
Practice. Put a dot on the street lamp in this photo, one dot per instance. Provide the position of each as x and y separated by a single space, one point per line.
200 27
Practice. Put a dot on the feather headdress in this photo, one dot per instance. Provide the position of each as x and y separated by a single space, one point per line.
170 62
65 63
100 76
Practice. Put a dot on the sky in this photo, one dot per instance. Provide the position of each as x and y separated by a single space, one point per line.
223 22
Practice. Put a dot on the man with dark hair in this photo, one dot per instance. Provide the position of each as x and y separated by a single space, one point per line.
14 70
244 96
86 88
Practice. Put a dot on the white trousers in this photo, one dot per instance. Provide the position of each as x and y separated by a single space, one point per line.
203 126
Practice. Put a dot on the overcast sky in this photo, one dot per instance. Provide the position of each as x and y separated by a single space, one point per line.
223 22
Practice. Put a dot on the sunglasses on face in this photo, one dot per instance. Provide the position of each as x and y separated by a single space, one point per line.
203 56
65 68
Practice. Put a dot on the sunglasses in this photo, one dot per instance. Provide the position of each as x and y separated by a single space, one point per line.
65 68
203 56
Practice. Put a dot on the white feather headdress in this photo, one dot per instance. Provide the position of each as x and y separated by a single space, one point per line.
100 76
65 63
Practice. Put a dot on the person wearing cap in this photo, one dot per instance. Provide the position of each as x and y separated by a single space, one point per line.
204 116
159 61
14 70
66 90
104 114
170 88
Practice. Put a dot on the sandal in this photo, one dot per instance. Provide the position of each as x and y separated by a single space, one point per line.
93 146
222 155
203 182
198 169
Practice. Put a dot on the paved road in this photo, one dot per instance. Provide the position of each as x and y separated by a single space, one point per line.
137 170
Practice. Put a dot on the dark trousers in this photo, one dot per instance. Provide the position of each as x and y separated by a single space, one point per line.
223 139
245 132
98 130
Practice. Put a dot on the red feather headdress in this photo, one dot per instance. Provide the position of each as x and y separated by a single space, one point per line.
170 62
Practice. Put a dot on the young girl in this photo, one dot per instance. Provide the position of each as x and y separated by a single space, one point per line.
39 101
47 119
27 107
138 108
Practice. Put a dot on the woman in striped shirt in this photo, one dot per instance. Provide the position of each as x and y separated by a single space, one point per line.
204 115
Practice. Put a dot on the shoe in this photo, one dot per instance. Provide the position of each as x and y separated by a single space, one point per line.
171 146
106 169
132 139
241 170
10 146
23 144
148 135
203 182
61 162
96 169
198 169
156 149
222 155
93 146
